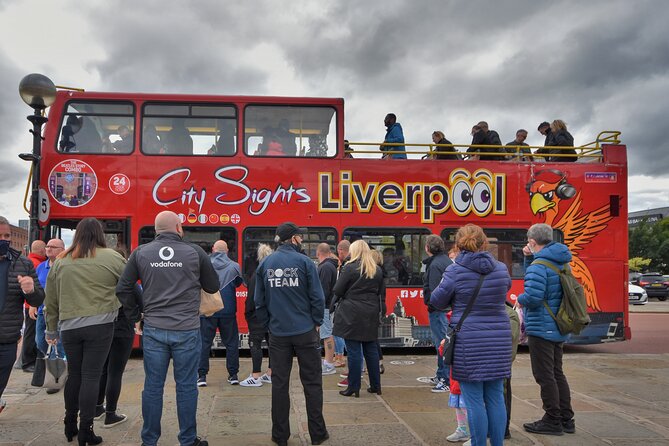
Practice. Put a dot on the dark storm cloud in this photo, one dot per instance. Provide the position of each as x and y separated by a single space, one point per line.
14 128
152 47
435 63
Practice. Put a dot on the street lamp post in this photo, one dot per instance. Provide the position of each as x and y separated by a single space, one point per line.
38 92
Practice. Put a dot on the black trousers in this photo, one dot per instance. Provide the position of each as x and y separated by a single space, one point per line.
86 349
307 348
255 345
112 372
7 358
29 347
546 360
507 402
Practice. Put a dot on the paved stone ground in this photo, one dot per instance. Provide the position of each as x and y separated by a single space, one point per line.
618 399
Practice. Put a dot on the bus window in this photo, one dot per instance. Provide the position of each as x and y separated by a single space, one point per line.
403 250
255 236
203 236
506 245
97 127
290 131
189 129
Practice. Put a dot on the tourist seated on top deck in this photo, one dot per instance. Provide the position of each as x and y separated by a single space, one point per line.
557 136
481 135
445 153
525 152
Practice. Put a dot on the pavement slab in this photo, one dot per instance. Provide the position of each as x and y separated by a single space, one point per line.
619 399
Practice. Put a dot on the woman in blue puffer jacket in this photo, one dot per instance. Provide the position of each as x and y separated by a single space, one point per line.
482 357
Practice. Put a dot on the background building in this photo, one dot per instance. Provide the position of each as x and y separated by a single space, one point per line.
650 215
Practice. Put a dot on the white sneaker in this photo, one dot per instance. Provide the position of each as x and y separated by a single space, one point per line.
251 382
467 443
265 378
457 436
328 369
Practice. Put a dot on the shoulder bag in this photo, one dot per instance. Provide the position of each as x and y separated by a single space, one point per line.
447 347
210 303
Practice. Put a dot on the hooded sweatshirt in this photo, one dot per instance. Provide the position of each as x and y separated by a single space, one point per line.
230 277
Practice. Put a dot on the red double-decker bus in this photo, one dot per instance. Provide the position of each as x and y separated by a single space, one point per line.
235 167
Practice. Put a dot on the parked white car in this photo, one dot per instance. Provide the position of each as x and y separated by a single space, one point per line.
637 295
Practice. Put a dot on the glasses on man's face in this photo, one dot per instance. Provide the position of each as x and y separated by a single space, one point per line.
54 247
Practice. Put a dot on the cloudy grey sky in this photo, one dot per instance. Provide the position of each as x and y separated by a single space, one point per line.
598 65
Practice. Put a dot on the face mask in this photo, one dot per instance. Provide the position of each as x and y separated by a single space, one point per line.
4 247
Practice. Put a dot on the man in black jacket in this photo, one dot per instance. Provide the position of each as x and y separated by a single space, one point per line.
290 302
172 272
435 265
18 282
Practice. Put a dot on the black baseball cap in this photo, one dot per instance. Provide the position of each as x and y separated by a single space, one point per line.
288 229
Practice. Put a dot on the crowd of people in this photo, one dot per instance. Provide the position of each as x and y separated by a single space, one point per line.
486 144
88 301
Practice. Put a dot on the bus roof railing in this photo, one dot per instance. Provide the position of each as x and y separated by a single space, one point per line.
589 150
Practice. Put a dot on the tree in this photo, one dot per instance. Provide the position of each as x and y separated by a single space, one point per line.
637 264
650 241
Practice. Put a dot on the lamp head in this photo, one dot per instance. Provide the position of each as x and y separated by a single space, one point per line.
37 90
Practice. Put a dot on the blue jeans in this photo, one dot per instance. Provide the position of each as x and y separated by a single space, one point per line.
183 347
227 327
438 323
356 350
40 339
486 411
340 345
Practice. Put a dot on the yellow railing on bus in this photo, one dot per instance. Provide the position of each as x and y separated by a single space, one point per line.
590 150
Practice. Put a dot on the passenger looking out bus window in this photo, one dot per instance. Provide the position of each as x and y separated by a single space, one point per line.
525 152
87 138
394 134
178 140
271 144
286 139
151 140
123 145
451 153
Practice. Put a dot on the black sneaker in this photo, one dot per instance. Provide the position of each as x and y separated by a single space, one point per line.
99 412
543 428
322 439
233 380
202 381
112 419
569 426
280 442
200 442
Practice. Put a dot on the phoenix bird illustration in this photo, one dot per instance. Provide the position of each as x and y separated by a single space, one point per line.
548 191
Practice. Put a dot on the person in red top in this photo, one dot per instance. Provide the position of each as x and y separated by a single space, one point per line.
29 347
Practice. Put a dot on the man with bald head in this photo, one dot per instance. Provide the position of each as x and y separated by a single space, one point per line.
172 272
230 277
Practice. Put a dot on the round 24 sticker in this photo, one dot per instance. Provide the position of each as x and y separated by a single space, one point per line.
119 184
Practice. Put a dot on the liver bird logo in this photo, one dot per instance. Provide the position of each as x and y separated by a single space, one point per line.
548 191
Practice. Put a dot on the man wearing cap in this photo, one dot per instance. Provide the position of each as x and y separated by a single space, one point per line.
545 129
290 303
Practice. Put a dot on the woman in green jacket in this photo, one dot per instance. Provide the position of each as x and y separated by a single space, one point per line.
81 304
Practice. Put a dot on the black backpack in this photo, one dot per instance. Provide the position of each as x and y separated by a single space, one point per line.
572 316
